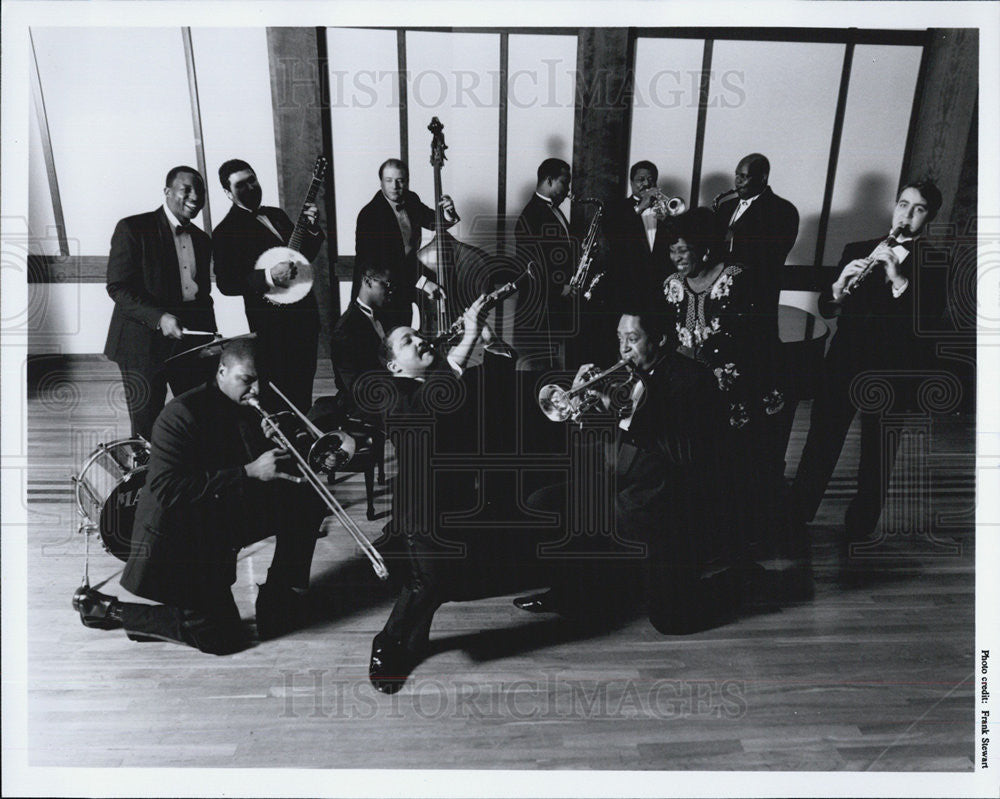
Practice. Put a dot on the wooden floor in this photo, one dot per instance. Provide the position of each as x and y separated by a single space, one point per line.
873 674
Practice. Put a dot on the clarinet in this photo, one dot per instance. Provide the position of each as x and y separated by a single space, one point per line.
872 261
453 333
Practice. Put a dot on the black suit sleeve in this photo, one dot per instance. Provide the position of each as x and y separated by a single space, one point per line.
125 282
235 274
175 478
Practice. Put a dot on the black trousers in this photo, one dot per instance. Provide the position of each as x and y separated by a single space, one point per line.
683 572
146 389
831 417
213 625
287 347
214 629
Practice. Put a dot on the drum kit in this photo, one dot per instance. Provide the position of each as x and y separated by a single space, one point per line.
111 479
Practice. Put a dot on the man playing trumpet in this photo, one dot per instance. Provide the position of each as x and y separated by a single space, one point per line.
666 484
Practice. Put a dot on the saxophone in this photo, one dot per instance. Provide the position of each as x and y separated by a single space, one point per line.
580 280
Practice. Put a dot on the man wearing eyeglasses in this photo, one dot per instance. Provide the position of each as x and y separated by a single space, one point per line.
359 332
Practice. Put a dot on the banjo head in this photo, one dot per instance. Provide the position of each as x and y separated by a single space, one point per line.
300 286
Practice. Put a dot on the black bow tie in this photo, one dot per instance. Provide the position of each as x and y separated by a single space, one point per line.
183 228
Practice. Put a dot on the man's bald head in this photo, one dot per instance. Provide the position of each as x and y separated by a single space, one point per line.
751 175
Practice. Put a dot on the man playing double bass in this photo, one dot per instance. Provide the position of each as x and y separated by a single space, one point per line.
388 234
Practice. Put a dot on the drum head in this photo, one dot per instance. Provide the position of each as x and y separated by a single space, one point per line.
118 514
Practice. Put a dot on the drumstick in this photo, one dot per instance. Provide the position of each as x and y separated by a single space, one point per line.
186 332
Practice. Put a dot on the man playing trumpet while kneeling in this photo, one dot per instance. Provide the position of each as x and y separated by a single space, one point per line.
666 485
444 419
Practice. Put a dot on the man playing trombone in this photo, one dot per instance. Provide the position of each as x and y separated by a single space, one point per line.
214 485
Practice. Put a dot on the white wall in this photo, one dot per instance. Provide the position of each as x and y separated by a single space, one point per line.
876 120
454 76
665 109
237 117
540 112
786 112
119 117
364 114
73 318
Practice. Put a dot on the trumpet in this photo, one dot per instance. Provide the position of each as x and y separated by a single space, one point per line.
560 404
274 432
665 206
580 281
873 260
720 197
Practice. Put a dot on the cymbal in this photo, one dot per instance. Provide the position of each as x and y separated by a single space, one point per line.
209 350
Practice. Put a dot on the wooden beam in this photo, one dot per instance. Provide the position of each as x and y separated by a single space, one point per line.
297 94
944 108
603 97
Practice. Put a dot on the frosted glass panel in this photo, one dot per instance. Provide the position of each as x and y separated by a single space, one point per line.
785 110
665 109
44 238
454 76
236 109
540 112
364 114
876 120
112 144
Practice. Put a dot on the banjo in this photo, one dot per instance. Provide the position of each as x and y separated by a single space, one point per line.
301 284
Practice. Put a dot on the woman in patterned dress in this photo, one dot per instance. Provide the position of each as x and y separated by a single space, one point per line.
709 306
712 315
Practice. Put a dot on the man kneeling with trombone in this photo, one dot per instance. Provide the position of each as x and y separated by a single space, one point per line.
215 484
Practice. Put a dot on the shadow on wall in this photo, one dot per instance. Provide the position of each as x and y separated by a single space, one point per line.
869 214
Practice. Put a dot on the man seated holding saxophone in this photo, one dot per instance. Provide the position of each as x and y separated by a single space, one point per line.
445 419
666 489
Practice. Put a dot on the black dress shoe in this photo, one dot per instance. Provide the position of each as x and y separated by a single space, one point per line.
97 610
279 610
546 602
390 665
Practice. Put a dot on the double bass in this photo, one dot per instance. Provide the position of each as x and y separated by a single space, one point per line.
460 269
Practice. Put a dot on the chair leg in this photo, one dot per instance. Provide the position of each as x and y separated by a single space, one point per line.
370 491
380 459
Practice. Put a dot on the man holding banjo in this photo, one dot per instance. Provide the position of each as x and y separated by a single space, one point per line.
287 329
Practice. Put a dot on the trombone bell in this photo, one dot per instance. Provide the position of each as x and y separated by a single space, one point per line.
331 451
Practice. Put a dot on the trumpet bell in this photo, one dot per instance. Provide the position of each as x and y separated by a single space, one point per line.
555 403
675 206
331 451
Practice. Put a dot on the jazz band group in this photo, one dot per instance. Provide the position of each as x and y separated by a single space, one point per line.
697 434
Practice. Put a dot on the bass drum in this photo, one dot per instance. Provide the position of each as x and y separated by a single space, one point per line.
108 488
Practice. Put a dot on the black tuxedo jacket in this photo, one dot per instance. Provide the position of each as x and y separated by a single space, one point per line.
354 349
761 241
876 331
144 281
447 417
237 242
668 466
540 237
633 270
378 240
195 505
